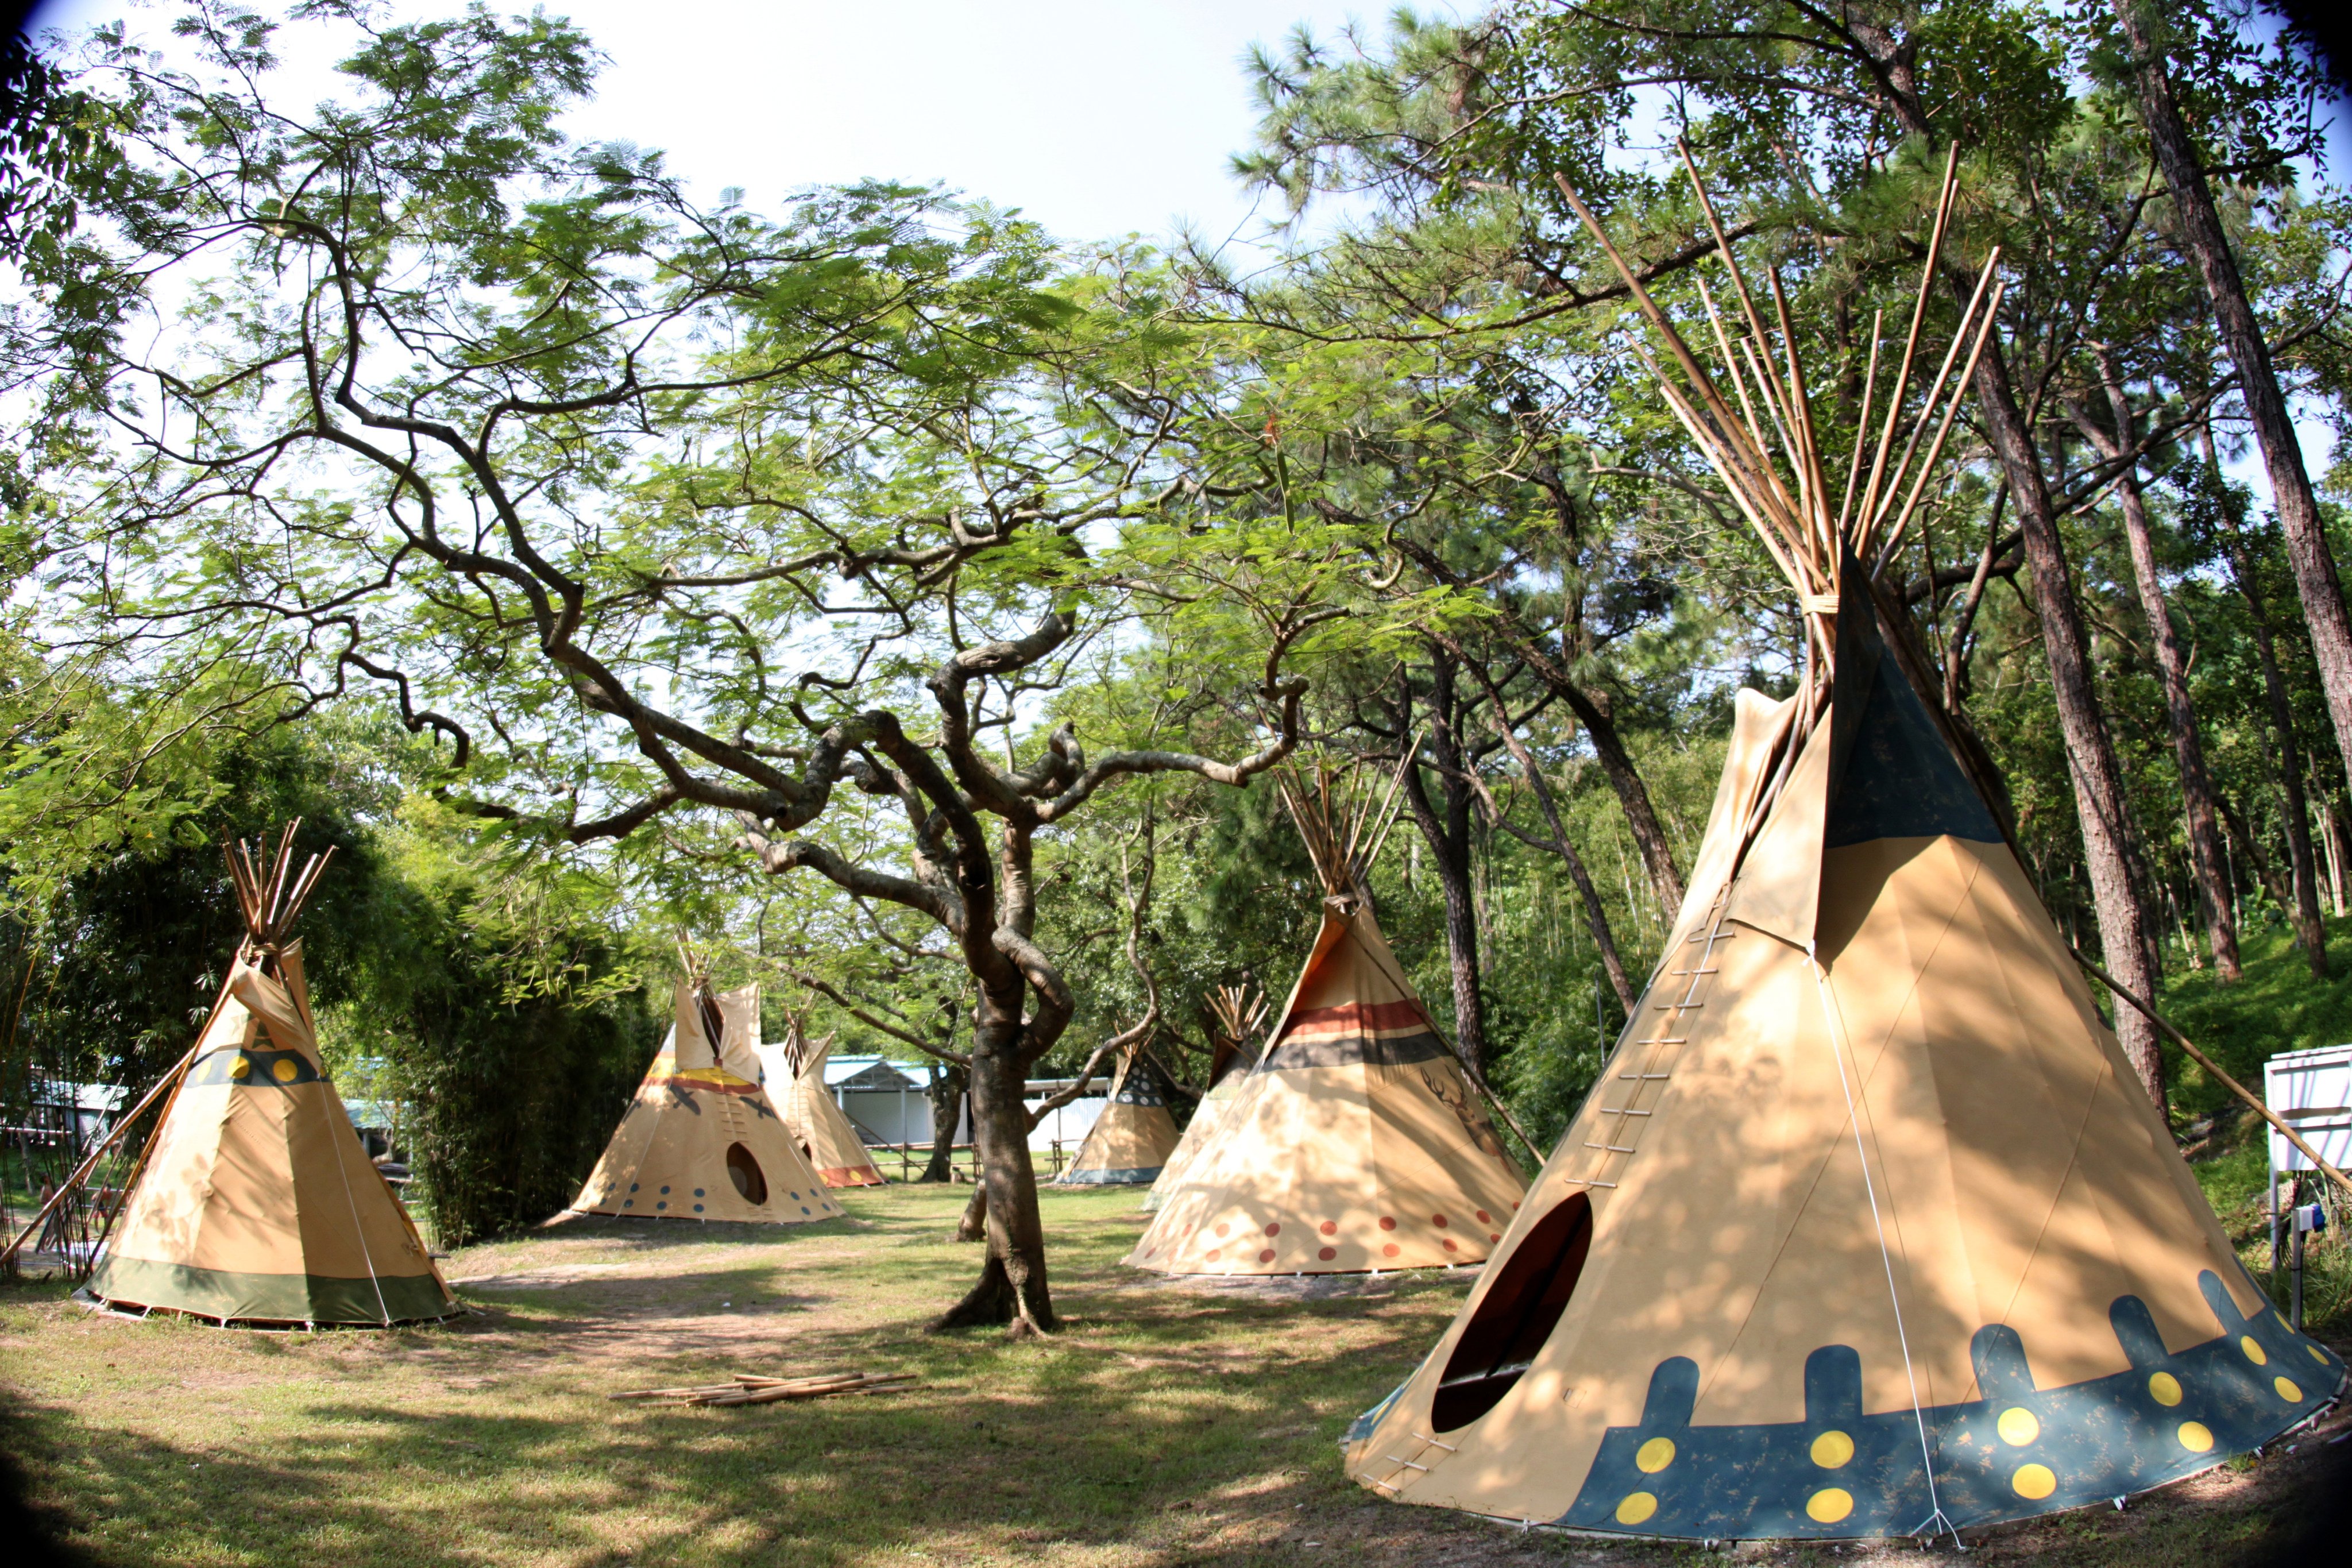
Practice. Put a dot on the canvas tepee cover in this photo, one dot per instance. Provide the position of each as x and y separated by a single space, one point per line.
1228 1070
1129 1142
816 1121
1868 1227
257 1203
1354 1143
701 1141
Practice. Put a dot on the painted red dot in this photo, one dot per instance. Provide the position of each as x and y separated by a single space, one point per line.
1221 1227
1391 1250
1328 1227
1438 1220
1386 1223
1266 1256
1275 1229
1515 1209
1447 1242
1326 1253
1486 1218
1212 1254
1494 1238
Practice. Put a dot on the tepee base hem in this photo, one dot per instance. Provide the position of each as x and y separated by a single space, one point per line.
1136 1176
230 1298
702 1218
1270 1272
855 1176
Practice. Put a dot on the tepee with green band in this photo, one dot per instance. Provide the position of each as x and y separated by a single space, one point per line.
1129 1143
255 1203
1868 1227
702 1140
1356 1144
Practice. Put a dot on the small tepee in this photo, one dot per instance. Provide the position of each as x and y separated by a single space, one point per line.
1234 1014
814 1119
1129 1142
1868 1228
702 1140
255 1203
1356 1142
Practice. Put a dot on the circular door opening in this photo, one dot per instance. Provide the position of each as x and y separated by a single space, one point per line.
1517 1315
744 1171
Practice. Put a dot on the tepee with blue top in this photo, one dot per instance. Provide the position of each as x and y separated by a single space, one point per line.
1868 1228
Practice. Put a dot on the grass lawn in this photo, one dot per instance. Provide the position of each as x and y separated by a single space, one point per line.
1168 1425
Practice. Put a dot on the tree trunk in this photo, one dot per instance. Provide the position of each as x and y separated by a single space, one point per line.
2172 666
2303 902
947 1111
2200 230
1011 1288
1633 794
1448 833
2108 850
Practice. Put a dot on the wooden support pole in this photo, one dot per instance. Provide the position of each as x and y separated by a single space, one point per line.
2210 1065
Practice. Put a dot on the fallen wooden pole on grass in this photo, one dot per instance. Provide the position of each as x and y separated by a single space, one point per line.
750 1388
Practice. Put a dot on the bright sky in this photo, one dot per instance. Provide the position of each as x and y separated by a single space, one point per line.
1098 117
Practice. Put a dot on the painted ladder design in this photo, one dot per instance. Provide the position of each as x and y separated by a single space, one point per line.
1639 1070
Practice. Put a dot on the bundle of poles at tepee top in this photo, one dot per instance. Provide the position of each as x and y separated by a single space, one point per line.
1768 451
264 895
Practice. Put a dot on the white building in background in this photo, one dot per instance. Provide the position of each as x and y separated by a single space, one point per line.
890 1103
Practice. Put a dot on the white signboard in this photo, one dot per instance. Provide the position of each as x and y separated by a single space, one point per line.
2311 1091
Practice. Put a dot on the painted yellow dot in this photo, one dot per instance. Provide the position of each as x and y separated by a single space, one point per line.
2287 1390
2164 1388
1828 1505
240 1067
2018 1426
2035 1482
283 1069
2253 1352
2196 1437
1831 1450
1637 1507
1654 1456
2318 1354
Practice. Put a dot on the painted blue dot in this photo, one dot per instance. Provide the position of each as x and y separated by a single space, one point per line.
697 1208
633 1186
629 1202
661 1206
804 1208
698 1191
796 1197
665 1189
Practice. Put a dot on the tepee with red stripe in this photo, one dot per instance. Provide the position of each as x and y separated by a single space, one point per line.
1356 1142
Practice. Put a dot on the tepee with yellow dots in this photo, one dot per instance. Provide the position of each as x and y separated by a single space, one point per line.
1867 1228
1356 1142
702 1140
254 1202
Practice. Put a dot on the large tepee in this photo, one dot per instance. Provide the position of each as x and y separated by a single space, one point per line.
702 1140
816 1123
1356 1142
1868 1228
1129 1143
1235 1013
255 1203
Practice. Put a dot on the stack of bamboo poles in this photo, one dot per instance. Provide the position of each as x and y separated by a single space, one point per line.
749 1388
